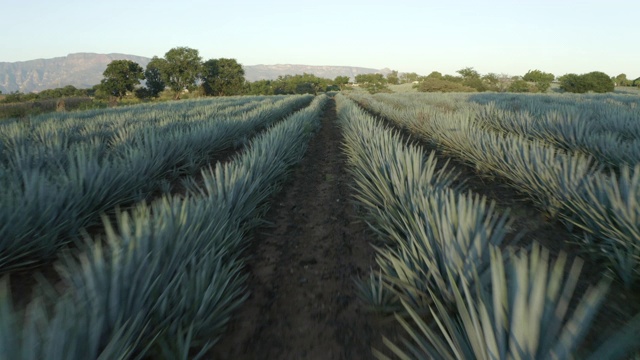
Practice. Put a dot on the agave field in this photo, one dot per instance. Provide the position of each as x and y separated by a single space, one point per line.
411 226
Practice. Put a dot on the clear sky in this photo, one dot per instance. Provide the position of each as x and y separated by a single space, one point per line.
511 37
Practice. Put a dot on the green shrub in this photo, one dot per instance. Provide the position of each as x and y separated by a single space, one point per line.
440 85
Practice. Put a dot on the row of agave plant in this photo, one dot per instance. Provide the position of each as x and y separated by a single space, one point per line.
572 187
58 131
617 113
442 270
48 194
573 130
166 277
608 131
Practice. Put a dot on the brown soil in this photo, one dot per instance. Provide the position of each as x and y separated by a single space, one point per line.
303 302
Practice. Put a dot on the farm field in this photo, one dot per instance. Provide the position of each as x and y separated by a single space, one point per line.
323 228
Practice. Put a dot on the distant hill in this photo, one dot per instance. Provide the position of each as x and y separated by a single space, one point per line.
84 70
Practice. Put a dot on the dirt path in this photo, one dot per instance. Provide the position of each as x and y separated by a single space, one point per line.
303 303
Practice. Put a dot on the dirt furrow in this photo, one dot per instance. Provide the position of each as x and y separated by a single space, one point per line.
303 303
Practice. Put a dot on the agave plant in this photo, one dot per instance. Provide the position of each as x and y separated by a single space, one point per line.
431 231
444 241
567 185
607 208
53 187
165 280
524 314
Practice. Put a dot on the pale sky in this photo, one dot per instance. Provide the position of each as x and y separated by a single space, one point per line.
498 36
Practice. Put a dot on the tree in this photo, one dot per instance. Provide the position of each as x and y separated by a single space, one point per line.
538 76
222 77
520 86
541 79
492 81
341 81
468 73
153 74
573 83
595 81
182 69
432 84
66 91
392 77
471 78
260 87
121 76
408 77
435 75
621 80
374 83
599 82
456 79
304 84
290 84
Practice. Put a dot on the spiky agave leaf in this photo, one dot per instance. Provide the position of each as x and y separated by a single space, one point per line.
523 314
377 294
607 208
167 276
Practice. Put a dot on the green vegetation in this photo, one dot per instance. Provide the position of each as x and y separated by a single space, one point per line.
575 189
181 69
341 81
120 77
470 80
373 83
21 106
431 84
595 81
452 298
222 77
166 277
64 92
80 165
392 78
522 86
407 78
621 80
154 81
291 84
541 79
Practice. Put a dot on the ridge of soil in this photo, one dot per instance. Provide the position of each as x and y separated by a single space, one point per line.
303 302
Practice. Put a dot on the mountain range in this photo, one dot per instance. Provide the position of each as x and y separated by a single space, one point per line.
84 70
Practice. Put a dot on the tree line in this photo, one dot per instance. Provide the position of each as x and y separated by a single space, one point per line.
182 70
469 80
57 93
